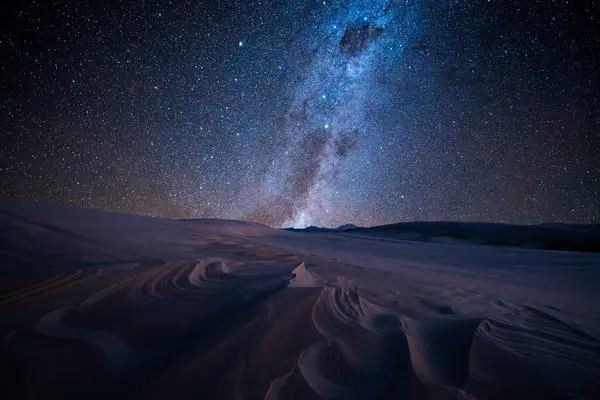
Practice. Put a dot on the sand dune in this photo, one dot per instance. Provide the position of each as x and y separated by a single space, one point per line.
97 304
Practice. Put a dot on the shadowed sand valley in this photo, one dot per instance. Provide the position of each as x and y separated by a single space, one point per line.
95 304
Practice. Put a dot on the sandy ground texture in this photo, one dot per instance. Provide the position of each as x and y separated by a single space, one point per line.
99 305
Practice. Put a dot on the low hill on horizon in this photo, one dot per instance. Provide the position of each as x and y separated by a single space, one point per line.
547 236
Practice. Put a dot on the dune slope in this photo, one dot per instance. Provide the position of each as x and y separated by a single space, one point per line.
96 304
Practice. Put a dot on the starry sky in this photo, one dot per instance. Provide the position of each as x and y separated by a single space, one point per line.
296 113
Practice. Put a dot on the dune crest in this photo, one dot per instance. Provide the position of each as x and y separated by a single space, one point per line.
209 268
301 277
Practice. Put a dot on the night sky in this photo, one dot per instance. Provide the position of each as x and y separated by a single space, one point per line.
304 112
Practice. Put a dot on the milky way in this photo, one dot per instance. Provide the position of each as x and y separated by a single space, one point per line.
305 112
329 134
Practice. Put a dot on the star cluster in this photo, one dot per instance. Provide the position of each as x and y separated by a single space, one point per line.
304 112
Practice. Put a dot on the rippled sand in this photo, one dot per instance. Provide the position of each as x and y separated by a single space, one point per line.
95 304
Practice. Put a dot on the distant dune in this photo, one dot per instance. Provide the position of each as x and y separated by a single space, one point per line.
544 237
97 305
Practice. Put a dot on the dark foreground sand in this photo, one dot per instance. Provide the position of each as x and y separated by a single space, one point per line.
100 305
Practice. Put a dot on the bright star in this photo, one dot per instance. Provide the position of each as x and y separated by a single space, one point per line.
240 44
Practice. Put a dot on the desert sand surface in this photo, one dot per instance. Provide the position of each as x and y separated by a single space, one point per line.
104 305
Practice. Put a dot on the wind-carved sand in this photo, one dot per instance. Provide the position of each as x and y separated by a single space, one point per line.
96 304
302 278
114 349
